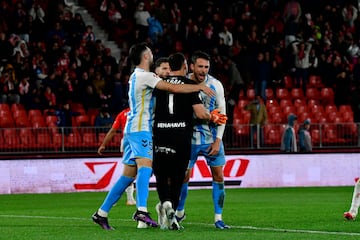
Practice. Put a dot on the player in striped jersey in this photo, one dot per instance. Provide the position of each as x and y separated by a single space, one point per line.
207 138
138 151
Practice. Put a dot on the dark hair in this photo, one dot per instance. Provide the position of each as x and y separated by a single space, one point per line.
136 52
176 61
161 60
200 54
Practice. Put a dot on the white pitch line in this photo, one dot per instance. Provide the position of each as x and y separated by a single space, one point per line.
204 224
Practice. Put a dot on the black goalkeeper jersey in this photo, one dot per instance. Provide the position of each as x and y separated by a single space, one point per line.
174 112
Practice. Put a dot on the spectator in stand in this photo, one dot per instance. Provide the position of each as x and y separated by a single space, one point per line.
9 90
141 16
89 35
288 139
313 63
262 72
64 115
305 144
49 98
155 29
103 120
24 90
302 57
258 119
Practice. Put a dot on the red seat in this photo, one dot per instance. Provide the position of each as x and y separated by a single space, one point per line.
16 107
271 102
77 107
22 121
288 81
299 102
242 103
11 138
269 93
312 93
301 109
330 108
285 102
315 81
6 122
289 109
303 116
19 113
51 120
82 120
327 95
89 139
277 117
34 113
273 137
282 93
297 93
250 94
345 108
315 135
73 140
348 116
43 140
5 107
38 122
27 138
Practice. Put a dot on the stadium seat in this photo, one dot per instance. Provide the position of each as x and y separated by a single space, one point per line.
282 93
43 140
285 103
82 120
303 116
315 136
277 118
327 95
271 102
73 140
89 139
6 122
297 93
347 116
288 82
269 93
242 103
38 122
250 94
34 113
288 110
301 109
314 81
22 121
11 138
345 108
4 106
51 120
16 107
27 138
312 93
330 108
273 137
299 102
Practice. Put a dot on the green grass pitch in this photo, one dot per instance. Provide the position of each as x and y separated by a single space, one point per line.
262 213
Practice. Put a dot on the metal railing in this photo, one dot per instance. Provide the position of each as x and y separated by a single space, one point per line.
237 137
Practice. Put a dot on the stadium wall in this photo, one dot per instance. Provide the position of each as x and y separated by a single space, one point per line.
247 171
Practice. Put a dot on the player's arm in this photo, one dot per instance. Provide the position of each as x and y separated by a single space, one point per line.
184 88
109 135
201 112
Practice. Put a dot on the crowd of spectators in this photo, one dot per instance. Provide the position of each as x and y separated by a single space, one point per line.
50 56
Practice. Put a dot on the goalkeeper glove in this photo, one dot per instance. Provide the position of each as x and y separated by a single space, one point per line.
217 117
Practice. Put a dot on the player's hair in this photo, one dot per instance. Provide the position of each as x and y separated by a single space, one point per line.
176 61
136 51
161 60
200 54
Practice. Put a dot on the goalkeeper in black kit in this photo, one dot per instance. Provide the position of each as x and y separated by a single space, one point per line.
172 132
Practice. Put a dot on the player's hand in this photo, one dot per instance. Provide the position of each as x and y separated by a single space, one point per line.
101 149
208 91
217 117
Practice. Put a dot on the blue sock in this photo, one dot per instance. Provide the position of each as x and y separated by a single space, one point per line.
142 186
183 195
218 195
115 193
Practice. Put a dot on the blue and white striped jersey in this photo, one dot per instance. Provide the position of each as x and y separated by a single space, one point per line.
141 101
205 132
